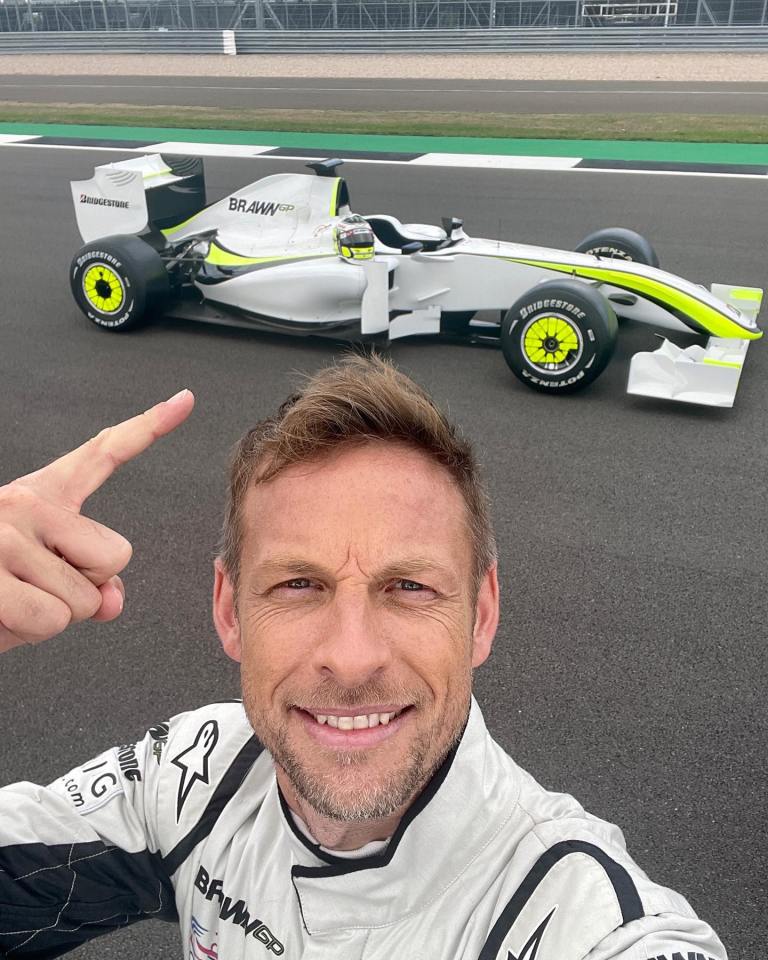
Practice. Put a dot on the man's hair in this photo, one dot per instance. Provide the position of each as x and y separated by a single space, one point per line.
357 400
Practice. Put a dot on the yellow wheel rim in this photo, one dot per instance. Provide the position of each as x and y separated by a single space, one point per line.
551 343
103 288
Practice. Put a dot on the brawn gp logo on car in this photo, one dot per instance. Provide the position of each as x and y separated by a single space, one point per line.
263 207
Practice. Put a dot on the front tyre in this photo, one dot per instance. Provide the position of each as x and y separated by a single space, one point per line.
118 282
618 243
559 337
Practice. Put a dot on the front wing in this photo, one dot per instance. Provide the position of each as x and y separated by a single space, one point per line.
702 375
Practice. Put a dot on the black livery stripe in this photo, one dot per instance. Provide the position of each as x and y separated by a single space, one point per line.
228 786
623 885
55 897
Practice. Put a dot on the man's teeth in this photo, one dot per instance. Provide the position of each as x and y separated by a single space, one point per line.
361 722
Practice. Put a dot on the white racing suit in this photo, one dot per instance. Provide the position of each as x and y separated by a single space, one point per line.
189 825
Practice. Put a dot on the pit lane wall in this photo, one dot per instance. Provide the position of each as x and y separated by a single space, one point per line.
488 40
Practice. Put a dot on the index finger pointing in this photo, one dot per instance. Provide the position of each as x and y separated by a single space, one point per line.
71 479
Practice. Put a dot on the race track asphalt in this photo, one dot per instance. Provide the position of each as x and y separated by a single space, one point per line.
469 96
630 669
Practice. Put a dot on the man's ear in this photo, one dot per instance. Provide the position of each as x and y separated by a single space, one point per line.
486 616
224 612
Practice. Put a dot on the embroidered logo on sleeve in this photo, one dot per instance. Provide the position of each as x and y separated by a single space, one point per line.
193 762
90 787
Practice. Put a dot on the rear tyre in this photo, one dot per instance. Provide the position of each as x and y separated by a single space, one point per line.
118 282
559 337
617 243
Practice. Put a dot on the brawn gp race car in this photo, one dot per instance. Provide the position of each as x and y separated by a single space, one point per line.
286 253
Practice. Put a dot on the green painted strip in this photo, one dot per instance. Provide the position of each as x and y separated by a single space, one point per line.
659 151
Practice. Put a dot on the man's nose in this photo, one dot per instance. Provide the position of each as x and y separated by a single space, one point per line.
352 647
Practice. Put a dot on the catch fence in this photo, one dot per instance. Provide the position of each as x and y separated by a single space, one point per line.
74 16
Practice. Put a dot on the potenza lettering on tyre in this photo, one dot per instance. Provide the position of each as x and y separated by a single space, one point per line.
546 384
613 252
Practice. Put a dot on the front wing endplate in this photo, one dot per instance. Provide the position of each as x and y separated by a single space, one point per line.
709 375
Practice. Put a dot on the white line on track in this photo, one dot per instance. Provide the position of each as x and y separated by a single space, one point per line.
501 162
205 149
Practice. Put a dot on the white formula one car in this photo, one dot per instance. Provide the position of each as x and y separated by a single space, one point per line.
286 253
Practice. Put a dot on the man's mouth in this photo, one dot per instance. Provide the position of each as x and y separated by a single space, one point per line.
361 721
365 727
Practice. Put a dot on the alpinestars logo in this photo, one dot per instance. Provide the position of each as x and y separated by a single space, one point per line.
193 762
531 948
103 201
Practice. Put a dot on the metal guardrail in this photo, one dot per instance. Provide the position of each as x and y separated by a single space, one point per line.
498 40
124 41
525 39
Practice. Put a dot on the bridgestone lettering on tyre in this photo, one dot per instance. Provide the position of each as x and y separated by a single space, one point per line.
618 243
559 337
118 282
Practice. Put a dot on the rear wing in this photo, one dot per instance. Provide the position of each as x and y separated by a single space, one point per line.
143 193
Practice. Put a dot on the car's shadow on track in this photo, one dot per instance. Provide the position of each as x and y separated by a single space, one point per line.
610 387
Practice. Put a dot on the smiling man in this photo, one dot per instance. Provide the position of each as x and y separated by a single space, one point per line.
353 806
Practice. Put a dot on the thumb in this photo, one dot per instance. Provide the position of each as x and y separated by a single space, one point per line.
112 600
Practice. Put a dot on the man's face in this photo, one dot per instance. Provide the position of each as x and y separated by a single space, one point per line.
356 625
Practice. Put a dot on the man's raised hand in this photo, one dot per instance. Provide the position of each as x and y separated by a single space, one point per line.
56 566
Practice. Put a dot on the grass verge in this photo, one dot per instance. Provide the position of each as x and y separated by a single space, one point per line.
692 128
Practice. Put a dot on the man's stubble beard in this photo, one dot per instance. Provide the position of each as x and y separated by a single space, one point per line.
346 792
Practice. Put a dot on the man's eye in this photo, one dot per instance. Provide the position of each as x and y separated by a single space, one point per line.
409 586
298 583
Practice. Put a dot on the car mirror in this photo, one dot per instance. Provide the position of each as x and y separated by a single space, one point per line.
415 246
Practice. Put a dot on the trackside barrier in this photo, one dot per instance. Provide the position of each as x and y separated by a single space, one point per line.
122 41
498 40
502 40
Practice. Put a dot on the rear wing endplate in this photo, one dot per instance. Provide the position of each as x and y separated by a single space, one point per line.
129 196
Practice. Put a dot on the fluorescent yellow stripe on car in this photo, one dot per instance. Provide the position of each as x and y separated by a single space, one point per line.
335 197
721 363
223 258
748 293
169 230
158 173
711 320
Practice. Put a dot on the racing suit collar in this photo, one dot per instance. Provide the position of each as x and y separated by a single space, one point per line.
462 800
